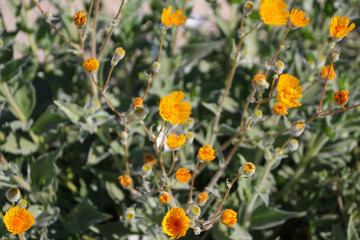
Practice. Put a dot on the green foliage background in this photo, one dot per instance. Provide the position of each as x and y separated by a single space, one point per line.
69 150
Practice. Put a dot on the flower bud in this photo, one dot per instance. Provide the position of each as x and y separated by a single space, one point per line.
248 8
190 137
146 170
248 169
195 212
123 135
22 203
279 67
13 194
156 67
190 122
129 214
119 54
164 198
297 128
336 56
197 231
202 198
293 145
259 83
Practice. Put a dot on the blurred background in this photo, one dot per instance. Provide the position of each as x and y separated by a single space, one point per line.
68 148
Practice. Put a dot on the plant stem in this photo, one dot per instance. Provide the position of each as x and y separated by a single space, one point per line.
228 158
158 151
93 36
242 119
74 45
229 80
172 164
21 237
87 20
192 183
158 60
108 78
327 78
277 52
225 196
12 102
114 22
32 41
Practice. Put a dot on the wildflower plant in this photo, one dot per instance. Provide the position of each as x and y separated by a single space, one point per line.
156 123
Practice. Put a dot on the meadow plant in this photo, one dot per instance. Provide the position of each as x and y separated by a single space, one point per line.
169 153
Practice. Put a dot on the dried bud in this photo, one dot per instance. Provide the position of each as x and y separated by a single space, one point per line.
279 67
293 145
13 194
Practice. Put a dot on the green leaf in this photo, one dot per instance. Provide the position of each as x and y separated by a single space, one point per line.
352 233
18 145
265 218
210 106
12 70
71 110
98 152
44 170
25 100
82 216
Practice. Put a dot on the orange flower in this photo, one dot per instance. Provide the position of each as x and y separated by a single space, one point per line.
206 153
258 76
297 19
138 102
91 66
228 217
325 72
339 27
183 175
80 18
273 12
286 91
164 198
280 109
169 19
175 223
341 97
125 180
173 110
18 220
150 159
174 141
202 198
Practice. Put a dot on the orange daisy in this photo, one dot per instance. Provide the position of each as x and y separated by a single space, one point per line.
272 12
173 110
169 19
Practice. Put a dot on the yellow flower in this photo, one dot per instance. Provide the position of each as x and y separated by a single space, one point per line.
173 110
175 223
164 198
287 93
325 72
150 159
202 198
138 103
80 18
125 180
297 19
206 153
91 66
339 27
341 97
228 217
183 175
169 19
280 109
273 12
174 141
18 220
248 169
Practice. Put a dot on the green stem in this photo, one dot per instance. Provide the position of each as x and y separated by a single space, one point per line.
21 237
11 101
326 79
108 78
